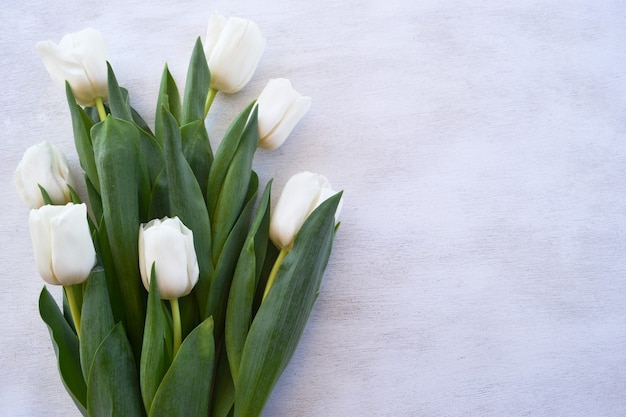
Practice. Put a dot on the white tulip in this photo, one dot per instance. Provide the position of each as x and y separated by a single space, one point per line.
302 194
168 243
80 58
233 48
44 165
64 251
280 109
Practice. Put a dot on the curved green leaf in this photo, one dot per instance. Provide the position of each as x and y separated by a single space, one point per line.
96 320
197 86
81 125
197 151
186 387
65 343
156 353
223 275
232 194
113 387
119 103
245 278
116 151
280 321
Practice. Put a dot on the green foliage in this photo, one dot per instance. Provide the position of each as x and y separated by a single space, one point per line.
235 344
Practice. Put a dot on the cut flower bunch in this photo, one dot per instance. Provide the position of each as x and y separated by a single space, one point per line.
183 293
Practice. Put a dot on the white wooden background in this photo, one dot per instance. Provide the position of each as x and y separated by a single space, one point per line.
480 268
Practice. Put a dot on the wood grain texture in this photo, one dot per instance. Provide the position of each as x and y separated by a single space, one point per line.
480 266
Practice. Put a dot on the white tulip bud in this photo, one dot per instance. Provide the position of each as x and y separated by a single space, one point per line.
280 109
302 194
80 59
168 243
233 48
44 165
64 251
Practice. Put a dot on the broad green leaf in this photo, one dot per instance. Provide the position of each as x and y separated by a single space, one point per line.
156 353
223 389
65 343
223 157
223 275
232 193
119 103
197 151
241 296
81 124
160 197
197 86
280 321
186 387
140 121
96 318
113 387
113 285
116 150
95 202
151 165
168 98
187 202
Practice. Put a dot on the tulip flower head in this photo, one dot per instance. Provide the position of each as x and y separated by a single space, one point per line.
80 59
64 251
168 243
280 109
302 194
46 166
233 48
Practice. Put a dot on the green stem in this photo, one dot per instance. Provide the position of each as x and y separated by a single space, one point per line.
275 268
176 324
209 100
100 106
74 308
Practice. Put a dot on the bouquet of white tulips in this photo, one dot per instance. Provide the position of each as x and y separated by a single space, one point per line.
183 293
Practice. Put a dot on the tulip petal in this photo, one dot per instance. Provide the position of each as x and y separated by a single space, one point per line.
290 119
235 56
295 203
274 101
73 253
80 58
43 164
40 235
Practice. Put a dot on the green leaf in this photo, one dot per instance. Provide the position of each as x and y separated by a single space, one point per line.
96 318
45 196
119 103
223 157
81 124
186 388
186 202
95 201
197 85
139 121
113 286
223 275
116 151
65 343
168 98
231 196
197 151
223 388
241 296
113 388
280 321
156 354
